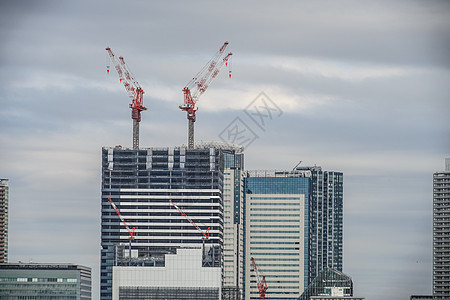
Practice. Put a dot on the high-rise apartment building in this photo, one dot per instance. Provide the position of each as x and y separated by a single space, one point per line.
326 206
293 228
141 183
441 233
233 195
4 195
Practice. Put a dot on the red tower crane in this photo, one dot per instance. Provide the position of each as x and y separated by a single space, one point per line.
205 234
131 231
260 282
135 92
198 85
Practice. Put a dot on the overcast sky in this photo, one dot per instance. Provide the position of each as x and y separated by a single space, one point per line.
362 87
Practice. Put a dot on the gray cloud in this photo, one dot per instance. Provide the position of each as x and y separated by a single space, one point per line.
363 87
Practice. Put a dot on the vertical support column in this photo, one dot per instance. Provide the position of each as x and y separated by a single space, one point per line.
149 161
190 134
182 157
170 159
212 159
135 134
110 160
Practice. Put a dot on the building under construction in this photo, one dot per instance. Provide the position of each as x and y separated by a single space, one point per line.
141 183
162 207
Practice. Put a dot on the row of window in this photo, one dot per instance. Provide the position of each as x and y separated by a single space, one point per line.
275 215
278 221
276 198
44 288
279 270
277 259
287 254
288 243
273 248
276 209
275 231
273 226
53 298
274 203
278 265
26 279
275 237
283 276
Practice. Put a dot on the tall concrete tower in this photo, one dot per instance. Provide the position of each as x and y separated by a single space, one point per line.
441 233
326 209
233 197
4 195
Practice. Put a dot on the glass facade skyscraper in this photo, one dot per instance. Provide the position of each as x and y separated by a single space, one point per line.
293 228
276 232
141 183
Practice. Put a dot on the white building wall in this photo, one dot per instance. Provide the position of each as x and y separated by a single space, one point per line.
229 235
275 239
233 233
181 270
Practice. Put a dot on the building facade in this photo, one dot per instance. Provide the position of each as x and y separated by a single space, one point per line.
330 284
326 209
233 197
45 281
4 202
141 183
182 277
276 232
298 216
441 233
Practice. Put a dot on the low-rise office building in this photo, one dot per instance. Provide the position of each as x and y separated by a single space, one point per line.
45 281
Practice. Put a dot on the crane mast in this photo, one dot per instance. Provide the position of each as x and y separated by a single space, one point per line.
260 282
135 92
198 85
